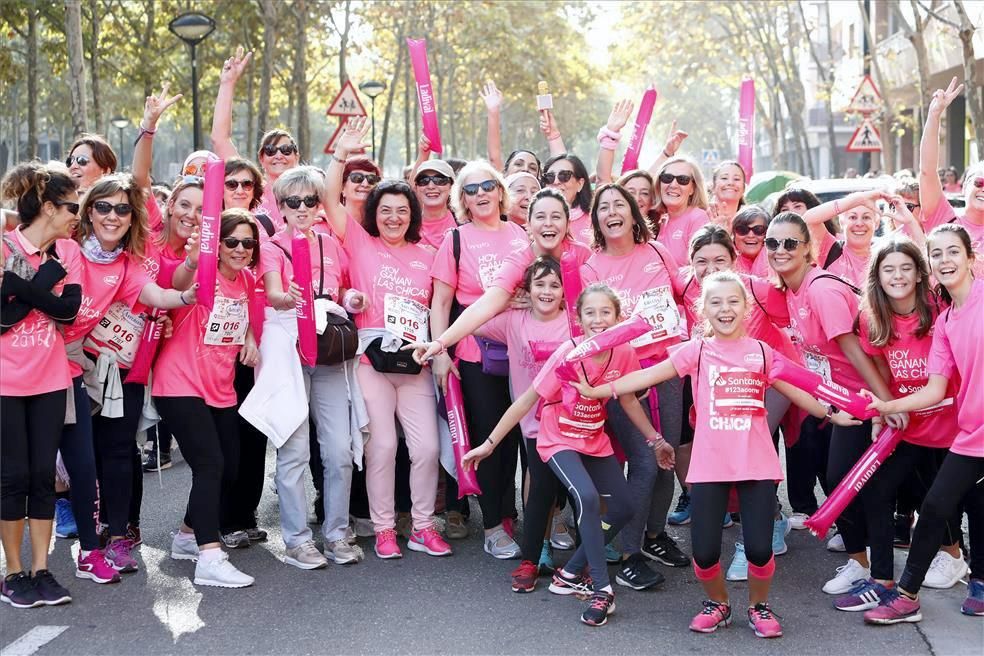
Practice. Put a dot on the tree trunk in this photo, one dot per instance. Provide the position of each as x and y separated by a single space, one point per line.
147 44
391 94
76 65
97 114
975 104
343 37
300 81
269 12
250 112
32 87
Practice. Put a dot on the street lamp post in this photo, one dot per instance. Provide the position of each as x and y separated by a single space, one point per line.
193 27
120 123
372 88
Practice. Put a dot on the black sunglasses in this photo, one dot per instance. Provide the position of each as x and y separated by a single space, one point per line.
287 149
232 185
743 230
439 180
294 202
682 180
560 176
357 177
73 208
81 160
104 208
487 186
788 244
231 243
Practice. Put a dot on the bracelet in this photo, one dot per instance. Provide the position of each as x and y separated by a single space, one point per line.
607 143
667 154
837 207
655 441
187 265
338 159
444 348
182 297
614 395
826 419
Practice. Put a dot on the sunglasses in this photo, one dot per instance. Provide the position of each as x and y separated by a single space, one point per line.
439 180
232 243
682 180
81 160
357 177
979 182
287 149
559 176
487 186
743 230
73 208
103 208
294 202
788 244
192 179
909 206
232 185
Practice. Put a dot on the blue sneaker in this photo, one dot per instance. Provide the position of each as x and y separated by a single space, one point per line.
681 515
974 603
738 570
612 554
546 564
867 594
65 526
779 530
728 522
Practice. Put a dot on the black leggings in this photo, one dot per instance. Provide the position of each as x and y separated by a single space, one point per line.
912 466
545 492
486 400
240 511
79 456
806 463
115 443
847 444
708 504
30 428
587 479
209 441
960 478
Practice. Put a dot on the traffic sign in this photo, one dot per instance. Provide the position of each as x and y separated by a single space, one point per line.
709 156
330 146
866 99
346 103
865 139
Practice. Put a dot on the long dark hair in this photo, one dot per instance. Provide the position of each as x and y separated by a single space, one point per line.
876 304
583 198
712 234
640 231
968 245
512 155
794 219
394 188
232 219
29 185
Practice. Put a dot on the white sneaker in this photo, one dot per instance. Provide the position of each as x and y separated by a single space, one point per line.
305 556
945 571
341 552
501 546
183 548
220 573
560 536
797 521
847 576
836 543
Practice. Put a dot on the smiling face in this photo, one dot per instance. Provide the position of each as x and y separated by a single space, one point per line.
859 227
546 293
523 161
597 313
724 306
974 195
729 184
302 218
109 226
275 165
640 189
63 222
185 215
393 218
949 260
239 197
548 224
236 259
786 262
357 192
614 217
85 175
569 189
711 259
898 275
520 193
484 204
750 245
674 195
432 196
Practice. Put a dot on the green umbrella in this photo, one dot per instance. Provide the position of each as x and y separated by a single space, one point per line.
764 183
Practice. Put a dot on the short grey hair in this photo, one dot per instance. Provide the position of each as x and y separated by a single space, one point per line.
296 180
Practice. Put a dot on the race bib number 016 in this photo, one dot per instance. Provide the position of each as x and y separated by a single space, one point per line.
405 318
658 308
227 324
120 330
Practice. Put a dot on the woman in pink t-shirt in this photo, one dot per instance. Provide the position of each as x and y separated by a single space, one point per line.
681 205
748 229
957 350
573 442
89 158
42 275
566 174
733 446
464 267
431 182
393 271
522 186
727 192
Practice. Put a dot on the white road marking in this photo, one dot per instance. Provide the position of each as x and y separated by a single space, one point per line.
33 640
176 600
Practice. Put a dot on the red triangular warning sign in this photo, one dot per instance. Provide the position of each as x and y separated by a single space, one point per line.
330 146
346 103
866 99
865 139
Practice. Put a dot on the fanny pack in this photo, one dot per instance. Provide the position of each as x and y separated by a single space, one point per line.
396 362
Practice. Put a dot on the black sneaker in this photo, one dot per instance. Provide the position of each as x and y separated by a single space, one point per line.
49 590
256 534
903 531
602 605
19 591
635 573
151 465
663 549
565 584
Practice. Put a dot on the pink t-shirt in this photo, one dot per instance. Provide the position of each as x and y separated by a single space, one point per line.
32 353
200 357
169 261
759 267
482 253
432 232
675 233
958 349
514 267
907 357
155 220
379 270
583 430
646 270
268 204
274 258
819 312
944 214
516 329
848 265
580 227
732 440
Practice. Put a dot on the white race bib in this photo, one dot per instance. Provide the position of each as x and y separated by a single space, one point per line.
120 330
818 364
658 308
405 318
228 322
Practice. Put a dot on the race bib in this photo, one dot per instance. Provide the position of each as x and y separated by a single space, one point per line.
818 364
738 393
405 318
228 322
585 420
120 330
658 308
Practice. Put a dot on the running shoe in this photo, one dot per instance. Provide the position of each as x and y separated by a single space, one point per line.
235 540
836 544
304 556
133 534
681 515
974 603
119 557
151 463
546 563
560 535
51 592
945 571
715 614
848 576
636 573
763 620
524 577
386 546
563 583
341 552
65 526
430 542
95 568
797 521
602 605
738 569
612 554
184 547
894 608
20 591
863 596
456 527
220 573
499 545
664 549
256 534
903 531
728 522
780 528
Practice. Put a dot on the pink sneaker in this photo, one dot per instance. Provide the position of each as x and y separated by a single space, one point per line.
95 567
714 615
894 608
430 542
763 620
118 556
386 546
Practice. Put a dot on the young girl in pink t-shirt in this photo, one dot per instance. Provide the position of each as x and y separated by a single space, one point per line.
573 442
957 349
732 445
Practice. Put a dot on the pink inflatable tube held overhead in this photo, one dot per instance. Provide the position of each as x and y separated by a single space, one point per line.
570 274
460 444
208 259
425 92
814 384
307 334
630 160
746 126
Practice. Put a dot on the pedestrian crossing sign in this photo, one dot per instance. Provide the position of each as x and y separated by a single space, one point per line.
865 139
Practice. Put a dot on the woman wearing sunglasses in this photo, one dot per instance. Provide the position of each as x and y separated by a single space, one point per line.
681 205
193 389
748 228
566 174
90 158
42 272
935 208
432 182
359 177
822 310
727 192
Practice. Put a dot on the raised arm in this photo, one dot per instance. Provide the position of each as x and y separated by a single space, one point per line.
423 154
904 220
232 69
143 151
608 138
166 299
930 185
493 136
548 126
673 142
351 141
630 383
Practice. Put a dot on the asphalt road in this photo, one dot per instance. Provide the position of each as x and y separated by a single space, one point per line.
423 605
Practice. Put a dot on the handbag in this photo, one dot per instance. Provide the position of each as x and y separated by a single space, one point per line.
397 362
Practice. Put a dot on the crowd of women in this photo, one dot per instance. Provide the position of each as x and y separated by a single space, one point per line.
450 284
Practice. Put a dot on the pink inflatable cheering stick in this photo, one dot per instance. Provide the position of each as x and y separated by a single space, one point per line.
460 444
814 384
425 93
150 341
307 332
208 258
541 351
570 274
746 126
819 523
631 159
